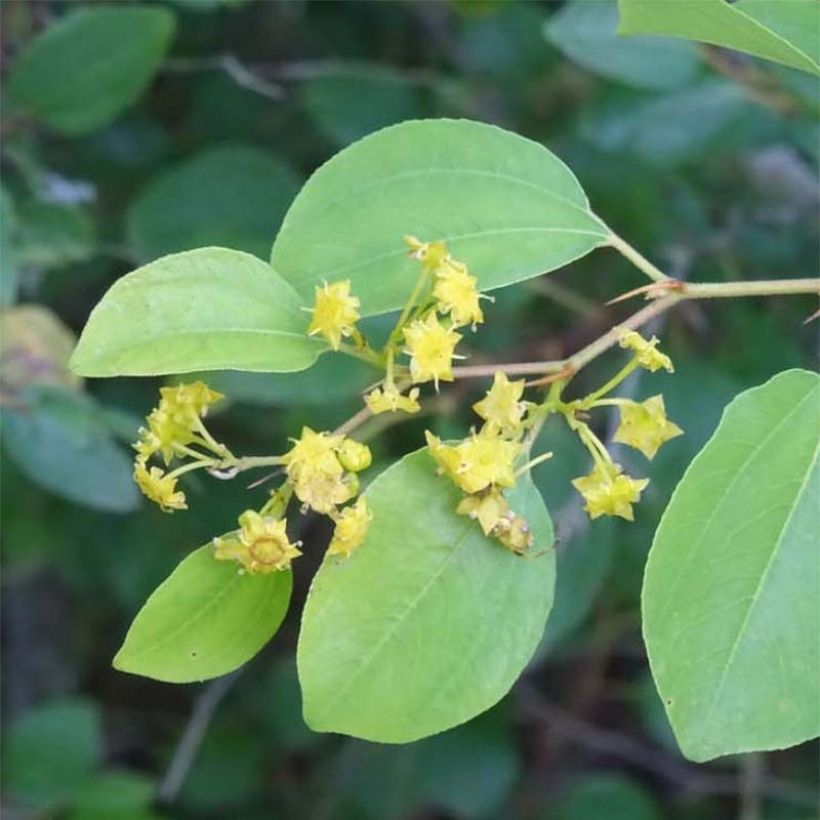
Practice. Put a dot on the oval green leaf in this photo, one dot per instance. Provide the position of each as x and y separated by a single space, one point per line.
90 65
730 612
506 206
207 309
62 441
429 622
205 620
232 196
586 33
786 31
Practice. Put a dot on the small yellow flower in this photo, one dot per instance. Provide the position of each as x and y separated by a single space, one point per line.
311 452
389 400
485 459
261 546
354 456
430 346
430 254
502 408
159 487
513 532
174 420
445 455
608 492
335 312
646 351
456 293
486 508
645 427
351 528
318 476
185 402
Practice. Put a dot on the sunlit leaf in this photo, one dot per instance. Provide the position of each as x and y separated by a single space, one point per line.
730 594
507 207
207 309
786 31
205 620
429 622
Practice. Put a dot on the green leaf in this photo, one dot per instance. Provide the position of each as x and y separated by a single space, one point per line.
464 773
786 31
352 101
49 751
603 795
585 33
669 129
730 593
90 65
122 794
206 309
8 252
507 207
332 378
61 441
232 196
51 235
205 620
429 622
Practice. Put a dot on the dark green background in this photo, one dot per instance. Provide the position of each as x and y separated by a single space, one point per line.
684 162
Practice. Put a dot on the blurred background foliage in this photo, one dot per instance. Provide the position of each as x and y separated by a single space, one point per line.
194 122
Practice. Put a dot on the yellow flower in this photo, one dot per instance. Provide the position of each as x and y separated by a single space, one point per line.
645 351
476 463
456 293
608 492
445 455
645 427
159 487
354 456
513 532
174 420
487 508
185 402
351 528
335 312
430 346
318 476
313 451
484 460
430 254
261 545
502 408
389 400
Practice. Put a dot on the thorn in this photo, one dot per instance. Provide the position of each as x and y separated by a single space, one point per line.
815 315
654 290
260 481
566 372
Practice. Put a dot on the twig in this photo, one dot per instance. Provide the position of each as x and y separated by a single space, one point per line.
651 759
188 746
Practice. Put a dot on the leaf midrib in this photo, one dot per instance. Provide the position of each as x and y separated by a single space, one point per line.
356 193
763 577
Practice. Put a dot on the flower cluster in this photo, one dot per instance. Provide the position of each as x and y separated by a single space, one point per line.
482 466
445 298
173 428
643 425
